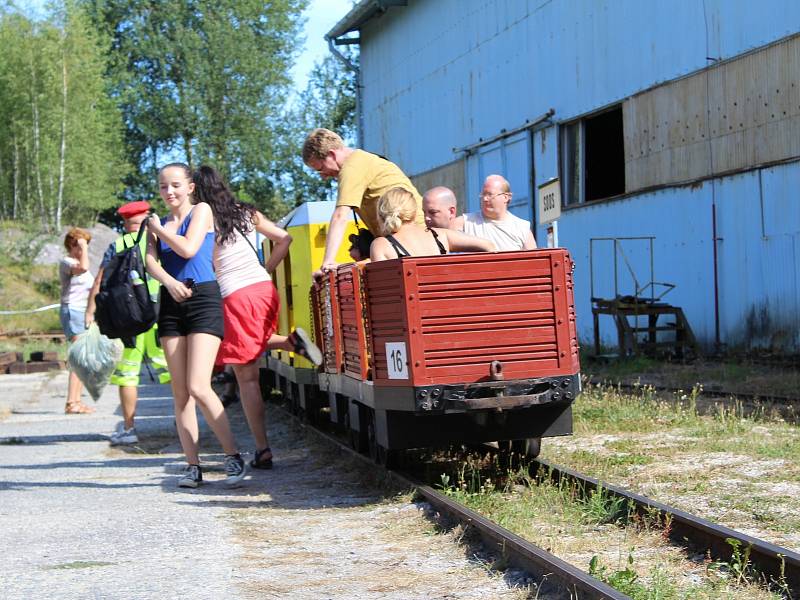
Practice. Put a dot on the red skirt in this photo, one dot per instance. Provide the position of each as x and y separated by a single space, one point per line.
251 317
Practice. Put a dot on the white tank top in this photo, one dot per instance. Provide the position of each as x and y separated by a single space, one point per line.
237 265
74 288
507 234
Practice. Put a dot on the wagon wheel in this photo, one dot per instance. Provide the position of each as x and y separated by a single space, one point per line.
358 439
379 454
512 451
528 447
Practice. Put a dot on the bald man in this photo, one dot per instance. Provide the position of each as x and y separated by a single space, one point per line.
494 221
439 206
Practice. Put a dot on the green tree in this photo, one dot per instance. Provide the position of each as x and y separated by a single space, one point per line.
203 81
60 136
329 100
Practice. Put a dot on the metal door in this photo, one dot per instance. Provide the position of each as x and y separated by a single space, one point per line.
510 157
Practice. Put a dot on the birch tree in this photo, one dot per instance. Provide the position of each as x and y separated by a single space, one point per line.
60 134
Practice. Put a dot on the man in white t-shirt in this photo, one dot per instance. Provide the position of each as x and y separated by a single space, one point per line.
494 221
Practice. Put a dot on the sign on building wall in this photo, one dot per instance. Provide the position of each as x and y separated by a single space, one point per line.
549 201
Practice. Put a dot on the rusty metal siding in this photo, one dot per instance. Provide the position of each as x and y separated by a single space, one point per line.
330 325
733 116
350 318
450 175
665 133
461 312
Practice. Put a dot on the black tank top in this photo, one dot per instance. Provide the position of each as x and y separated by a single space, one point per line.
401 252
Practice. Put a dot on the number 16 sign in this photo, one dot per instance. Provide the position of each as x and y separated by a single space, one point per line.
397 360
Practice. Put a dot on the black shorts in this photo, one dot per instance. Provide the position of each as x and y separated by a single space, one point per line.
202 313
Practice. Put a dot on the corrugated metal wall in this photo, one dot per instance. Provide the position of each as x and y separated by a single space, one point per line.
441 74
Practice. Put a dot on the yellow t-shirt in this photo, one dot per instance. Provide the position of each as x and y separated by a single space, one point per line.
365 177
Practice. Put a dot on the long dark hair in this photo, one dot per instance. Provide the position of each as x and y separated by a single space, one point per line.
229 213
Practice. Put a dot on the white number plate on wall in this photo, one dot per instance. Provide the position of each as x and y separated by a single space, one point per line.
397 360
549 201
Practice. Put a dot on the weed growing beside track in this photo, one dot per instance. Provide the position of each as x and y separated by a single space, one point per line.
735 470
600 534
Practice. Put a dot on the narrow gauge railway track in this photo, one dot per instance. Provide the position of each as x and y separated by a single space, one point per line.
769 559
708 393
518 551
780 564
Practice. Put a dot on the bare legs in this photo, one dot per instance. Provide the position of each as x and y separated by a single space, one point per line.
74 405
74 388
279 342
252 402
190 360
128 396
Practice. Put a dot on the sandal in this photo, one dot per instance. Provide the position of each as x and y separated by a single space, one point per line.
302 344
259 462
78 408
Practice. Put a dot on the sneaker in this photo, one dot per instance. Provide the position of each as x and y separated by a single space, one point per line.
192 477
123 437
235 470
303 346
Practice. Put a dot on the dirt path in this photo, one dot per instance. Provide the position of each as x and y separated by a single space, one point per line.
81 519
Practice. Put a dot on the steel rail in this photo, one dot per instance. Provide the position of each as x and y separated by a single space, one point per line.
521 552
764 398
768 558
518 551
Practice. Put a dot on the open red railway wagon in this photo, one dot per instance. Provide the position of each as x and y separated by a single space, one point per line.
462 348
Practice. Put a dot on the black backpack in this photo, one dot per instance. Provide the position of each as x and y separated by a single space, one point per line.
124 305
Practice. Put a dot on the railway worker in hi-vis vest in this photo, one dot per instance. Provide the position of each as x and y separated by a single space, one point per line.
126 375
494 221
363 178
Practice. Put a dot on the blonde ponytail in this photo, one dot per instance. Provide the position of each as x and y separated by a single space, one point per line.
395 207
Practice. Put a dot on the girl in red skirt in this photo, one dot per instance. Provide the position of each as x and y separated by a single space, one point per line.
249 298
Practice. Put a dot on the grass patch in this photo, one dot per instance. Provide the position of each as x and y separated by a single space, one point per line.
26 346
725 465
599 533
735 375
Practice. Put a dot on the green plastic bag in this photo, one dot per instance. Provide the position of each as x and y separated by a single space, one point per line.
93 358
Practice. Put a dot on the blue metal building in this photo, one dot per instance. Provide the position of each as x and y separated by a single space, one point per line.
673 119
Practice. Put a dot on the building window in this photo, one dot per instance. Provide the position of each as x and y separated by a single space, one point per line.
593 158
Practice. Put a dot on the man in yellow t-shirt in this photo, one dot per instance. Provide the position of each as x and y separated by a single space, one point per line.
363 178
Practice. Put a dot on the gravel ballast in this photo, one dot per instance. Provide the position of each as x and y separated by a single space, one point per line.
80 519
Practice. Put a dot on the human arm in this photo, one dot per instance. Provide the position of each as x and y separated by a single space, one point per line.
530 242
176 289
336 229
461 242
91 305
457 224
280 239
379 249
186 246
83 258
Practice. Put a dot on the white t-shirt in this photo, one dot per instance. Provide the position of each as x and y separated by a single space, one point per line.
74 288
236 264
507 234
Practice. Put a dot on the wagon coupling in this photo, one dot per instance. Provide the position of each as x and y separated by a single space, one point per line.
496 371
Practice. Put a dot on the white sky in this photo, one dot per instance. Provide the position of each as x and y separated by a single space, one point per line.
322 15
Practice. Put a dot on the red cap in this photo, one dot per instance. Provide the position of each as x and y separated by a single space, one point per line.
131 209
